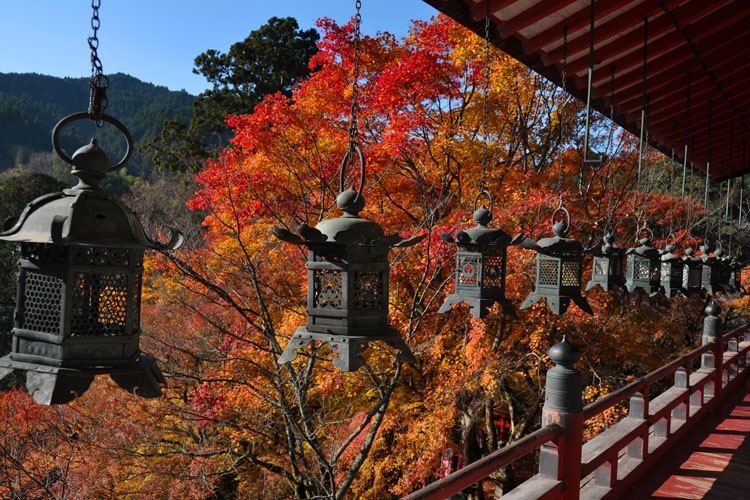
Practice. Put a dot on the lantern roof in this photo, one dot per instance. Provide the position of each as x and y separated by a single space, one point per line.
689 257
348 229
668 254
645 249
83 215
480 234
605 247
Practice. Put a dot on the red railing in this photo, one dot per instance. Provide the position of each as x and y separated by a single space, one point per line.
613 460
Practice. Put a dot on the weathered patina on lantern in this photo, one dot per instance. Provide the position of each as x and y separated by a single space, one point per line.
481 259
79 285
691 269
558 268
711 268
607 267
644 265
671 270
347 286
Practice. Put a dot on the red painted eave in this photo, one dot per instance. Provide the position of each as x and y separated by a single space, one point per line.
710 39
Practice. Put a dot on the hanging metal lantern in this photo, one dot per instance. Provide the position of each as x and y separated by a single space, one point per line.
607 267
691 270
481 257
347 286
644 266
558 267
711 268
79 285
671 270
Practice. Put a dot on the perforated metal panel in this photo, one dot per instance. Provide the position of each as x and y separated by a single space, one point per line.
547 270
42 306
47 253
493 266
665 272
99 305
691 277
368 290
601 266
641 269
655 269
571 273
100 256
327 292
468 270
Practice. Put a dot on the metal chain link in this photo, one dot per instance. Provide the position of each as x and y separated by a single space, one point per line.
565 57
565 90
485 91
98 83
353 123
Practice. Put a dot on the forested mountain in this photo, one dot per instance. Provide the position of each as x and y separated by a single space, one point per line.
31 104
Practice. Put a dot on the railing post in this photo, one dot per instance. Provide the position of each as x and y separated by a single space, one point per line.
713 359
563 405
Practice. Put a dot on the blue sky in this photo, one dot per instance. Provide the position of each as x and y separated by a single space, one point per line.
157 40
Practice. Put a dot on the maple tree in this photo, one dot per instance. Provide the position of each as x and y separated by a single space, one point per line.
235 423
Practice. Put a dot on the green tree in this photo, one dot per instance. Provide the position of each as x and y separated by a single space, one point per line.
15 192
273 58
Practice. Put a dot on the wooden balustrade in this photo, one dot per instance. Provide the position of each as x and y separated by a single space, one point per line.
607 465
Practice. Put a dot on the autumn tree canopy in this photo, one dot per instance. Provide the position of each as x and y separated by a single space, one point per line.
236 424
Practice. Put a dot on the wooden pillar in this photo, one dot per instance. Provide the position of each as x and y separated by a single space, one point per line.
563 405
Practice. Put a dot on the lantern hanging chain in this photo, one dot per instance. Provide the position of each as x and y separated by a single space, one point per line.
610 183
485 91
353 123
98 83
671 182
561 175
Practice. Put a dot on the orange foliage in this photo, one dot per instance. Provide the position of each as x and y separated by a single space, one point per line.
235 421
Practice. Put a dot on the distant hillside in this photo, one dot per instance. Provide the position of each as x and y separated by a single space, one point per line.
31 104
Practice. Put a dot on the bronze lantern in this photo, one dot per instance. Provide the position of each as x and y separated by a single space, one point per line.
691 270
644 265
607 267
347 286
671 269
79 285
481 257
558 267
711 268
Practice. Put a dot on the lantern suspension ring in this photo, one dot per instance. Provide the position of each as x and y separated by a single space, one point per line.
103 118
355 149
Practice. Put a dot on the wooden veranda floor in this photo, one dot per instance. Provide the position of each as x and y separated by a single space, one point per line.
713 463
